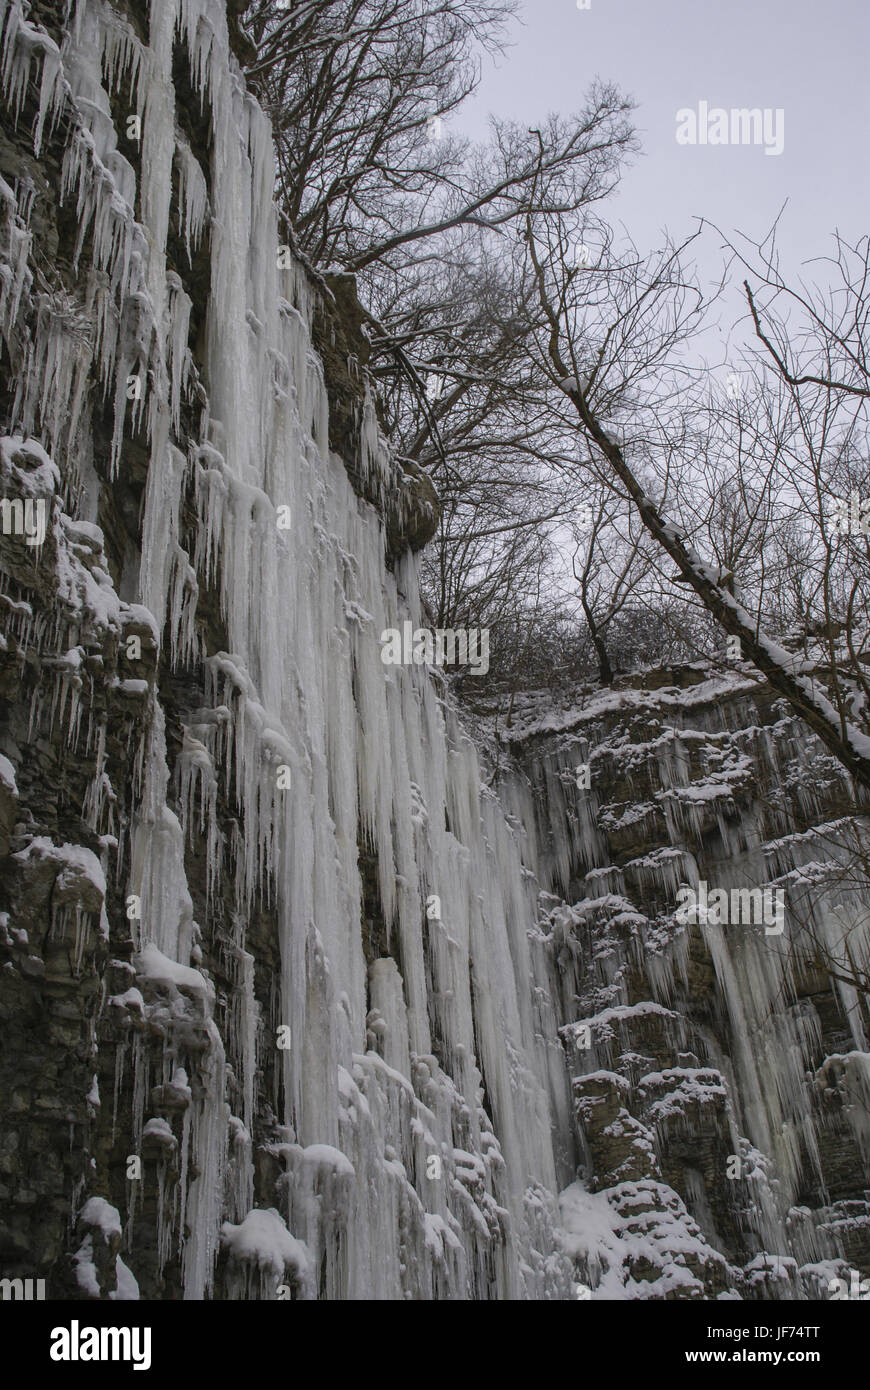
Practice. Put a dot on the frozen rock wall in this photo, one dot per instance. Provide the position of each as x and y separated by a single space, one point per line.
238 1019
290 978
719 1067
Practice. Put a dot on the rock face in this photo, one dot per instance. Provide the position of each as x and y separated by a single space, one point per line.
295 1003
719 1072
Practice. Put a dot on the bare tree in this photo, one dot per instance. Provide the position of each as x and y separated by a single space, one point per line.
815 335
639 315
359 93
607 575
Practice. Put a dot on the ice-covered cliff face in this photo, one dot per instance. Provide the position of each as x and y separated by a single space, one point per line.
720 1071
291 984
264 1013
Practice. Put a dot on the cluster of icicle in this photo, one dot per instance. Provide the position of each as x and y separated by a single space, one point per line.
773 1071
373 755
322 749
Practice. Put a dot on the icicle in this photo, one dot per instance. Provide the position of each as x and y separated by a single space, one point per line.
425 1076
22 43
192 197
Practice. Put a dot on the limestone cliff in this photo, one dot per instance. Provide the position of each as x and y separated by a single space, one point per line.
293 973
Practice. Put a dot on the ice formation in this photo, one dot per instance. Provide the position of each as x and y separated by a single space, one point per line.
422 1119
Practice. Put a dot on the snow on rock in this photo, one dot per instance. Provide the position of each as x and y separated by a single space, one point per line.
343 966
126 1289
100 1215
151 964
265 1253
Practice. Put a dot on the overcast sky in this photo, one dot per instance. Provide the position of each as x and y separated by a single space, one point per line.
809 59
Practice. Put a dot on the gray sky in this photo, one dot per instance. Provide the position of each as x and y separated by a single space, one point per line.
808 57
